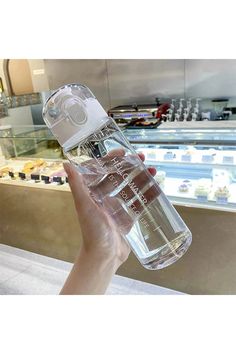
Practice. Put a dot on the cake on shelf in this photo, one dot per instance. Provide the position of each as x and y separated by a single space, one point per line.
203 188
222 192
188 182
160 177
183 188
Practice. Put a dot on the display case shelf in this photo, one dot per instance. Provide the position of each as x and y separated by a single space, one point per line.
182 133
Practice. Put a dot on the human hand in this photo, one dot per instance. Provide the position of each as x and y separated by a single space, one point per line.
102 238
103 248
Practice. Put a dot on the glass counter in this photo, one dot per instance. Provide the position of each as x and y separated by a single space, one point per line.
196 165
30 156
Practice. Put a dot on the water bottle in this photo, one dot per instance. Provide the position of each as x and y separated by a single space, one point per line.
116 176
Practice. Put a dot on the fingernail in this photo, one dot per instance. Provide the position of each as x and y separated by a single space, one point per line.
152 169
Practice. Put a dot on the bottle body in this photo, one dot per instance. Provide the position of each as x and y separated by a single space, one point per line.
119 181
116 176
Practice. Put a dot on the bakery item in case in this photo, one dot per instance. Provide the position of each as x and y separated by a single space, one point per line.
203 188
4 171
40 163
183 188
51 171
31 166
160 177
222 192
188 182
28 167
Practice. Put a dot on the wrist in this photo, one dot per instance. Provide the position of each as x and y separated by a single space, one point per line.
89 276
102 262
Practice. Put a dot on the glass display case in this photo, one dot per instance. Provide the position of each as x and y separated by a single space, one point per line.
196 165
29 155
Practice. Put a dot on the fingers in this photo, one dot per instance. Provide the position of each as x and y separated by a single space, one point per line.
135 185
113 180
85 205
152 193
82 199
119 215
116 152
141 155
121 153
152 170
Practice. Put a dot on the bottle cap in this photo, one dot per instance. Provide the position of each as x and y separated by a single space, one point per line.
72 113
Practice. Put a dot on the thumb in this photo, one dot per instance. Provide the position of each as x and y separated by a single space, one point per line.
83 201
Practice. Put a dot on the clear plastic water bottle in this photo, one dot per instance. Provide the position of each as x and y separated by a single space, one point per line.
116 176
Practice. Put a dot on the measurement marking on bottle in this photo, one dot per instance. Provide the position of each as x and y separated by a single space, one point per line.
157 228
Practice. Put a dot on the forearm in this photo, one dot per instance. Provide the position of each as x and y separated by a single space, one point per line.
89 276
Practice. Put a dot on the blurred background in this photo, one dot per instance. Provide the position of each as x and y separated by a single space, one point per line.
116 82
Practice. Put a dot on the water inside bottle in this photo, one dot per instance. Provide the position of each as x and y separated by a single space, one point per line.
119 181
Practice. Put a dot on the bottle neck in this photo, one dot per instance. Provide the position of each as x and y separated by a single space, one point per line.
105 129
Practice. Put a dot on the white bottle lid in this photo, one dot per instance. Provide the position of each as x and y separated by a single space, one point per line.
72 113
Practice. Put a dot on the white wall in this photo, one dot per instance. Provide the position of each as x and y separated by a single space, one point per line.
116 82
92 73
39 77
122 81
144 80
210 78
